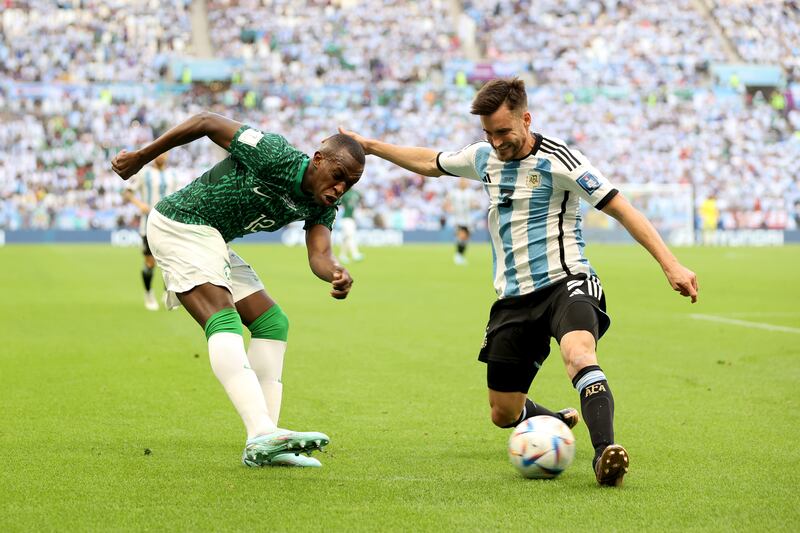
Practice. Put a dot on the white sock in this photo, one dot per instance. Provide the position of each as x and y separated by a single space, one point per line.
230 365
266 358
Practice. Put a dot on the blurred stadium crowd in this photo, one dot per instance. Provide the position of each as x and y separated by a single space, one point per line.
628 82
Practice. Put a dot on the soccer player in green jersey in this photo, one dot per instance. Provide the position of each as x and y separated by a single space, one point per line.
349 246
263 185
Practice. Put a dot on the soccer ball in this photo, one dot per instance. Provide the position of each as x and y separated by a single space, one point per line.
541 447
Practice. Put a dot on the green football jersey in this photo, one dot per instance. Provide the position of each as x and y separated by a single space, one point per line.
257 188
349 203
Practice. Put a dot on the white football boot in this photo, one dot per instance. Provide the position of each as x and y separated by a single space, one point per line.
291 459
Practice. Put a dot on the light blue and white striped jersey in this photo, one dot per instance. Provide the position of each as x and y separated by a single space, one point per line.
534 219
150 185
463 203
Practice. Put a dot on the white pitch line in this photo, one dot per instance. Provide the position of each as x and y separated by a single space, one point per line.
747 314
746 323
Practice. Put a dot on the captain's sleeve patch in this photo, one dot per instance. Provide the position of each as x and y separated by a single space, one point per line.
250 137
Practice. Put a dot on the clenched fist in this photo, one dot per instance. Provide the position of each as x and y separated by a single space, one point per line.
127 164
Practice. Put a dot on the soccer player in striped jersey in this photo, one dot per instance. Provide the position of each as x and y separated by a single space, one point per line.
461 204
263 185
145 190
545 285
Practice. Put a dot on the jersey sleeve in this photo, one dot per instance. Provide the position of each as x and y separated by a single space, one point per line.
256 150
325 218
466 162
585 181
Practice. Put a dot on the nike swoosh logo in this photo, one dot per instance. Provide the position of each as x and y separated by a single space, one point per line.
255 190
281 197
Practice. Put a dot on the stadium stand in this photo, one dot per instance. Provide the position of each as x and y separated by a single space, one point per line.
763 32
630 43
626 82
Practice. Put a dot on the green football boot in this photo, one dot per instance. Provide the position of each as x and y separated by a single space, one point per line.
263 450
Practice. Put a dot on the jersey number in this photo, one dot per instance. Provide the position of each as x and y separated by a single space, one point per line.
260 224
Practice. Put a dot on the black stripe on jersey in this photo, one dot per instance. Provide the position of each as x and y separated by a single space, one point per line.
564 162
440 166
607 198
550 143
537 143
561 254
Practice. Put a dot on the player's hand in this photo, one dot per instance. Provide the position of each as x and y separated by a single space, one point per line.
358 138
683 281
126 164
341 284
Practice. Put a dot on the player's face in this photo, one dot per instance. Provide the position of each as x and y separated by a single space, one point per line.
508 132
332 177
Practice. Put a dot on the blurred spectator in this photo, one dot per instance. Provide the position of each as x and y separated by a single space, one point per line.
763 32
81 79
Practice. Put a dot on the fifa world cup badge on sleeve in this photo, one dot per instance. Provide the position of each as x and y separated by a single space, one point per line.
588 182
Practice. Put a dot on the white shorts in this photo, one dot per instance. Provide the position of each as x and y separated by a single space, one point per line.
190 255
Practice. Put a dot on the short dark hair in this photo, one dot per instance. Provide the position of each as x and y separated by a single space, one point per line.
498 92
344 143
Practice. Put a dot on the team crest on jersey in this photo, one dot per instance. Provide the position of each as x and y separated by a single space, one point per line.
534 179
589 182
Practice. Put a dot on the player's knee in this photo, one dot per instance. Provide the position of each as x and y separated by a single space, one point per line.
272 324
224 321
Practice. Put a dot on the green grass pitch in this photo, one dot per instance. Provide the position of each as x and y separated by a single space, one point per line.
90 381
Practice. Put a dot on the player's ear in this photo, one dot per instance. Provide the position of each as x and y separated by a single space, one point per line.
317 159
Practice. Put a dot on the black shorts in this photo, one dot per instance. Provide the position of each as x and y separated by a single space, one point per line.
518 334
145 246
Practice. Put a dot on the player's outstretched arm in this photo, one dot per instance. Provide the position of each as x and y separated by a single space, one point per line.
205 124
323 264
413 158
129 196
681 278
